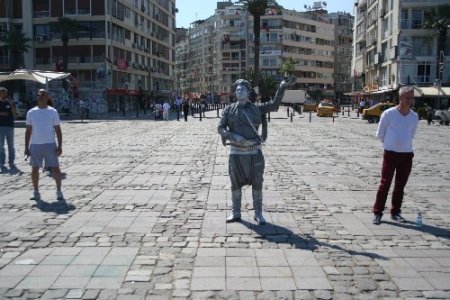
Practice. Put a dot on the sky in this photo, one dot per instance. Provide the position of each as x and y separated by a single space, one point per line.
192 10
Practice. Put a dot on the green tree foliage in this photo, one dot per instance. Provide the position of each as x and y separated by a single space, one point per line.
17 43
439 21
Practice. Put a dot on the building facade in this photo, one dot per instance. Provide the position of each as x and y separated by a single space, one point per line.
393 47
226 40
118 44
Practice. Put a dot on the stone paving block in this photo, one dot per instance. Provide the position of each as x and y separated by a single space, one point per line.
412 284
243 283
240 261
16 270
277 283
208 272
10 281
37 282
43 270
209 261
70 282
111 271
251 271
312 283
211 252
79 270
275 272
102 282
207 284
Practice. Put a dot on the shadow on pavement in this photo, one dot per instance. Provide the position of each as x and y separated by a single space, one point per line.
279 234
436 231
58 207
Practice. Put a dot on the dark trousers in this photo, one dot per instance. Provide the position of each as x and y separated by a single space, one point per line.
185 114
400 164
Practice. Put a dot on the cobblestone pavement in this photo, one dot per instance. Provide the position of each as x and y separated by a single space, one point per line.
147 202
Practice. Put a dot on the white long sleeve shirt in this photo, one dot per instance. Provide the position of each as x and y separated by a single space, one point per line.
397 131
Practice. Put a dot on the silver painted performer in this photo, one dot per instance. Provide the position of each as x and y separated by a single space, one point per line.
239 128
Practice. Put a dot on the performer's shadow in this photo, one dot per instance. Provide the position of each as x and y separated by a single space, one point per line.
278 234
58 207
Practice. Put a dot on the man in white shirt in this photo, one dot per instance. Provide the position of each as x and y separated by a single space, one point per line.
166 108
396 130
42 124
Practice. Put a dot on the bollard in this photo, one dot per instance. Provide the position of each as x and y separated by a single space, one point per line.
200 116
268 117
292 114
333 118
310 115
287 112
348 111
218 112
342 111
178 114
357 113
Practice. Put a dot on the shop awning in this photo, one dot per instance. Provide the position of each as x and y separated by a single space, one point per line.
430 91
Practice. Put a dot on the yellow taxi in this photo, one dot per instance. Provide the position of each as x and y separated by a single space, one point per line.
373 113
325 109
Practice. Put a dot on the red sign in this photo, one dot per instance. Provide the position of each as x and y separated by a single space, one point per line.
122 64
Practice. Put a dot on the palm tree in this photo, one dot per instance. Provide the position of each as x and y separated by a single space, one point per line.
17 43
439 21
257 8
288 67
68 28
267 87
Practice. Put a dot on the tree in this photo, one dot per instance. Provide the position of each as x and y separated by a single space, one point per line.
17 43
439 21
257 8
68 28
288 67
267 87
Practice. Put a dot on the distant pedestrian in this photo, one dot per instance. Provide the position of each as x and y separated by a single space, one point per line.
7 115
166 109
42 124
396 130
186 109
362 105
430 115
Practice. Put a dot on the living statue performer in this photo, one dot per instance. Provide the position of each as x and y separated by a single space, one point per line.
239 129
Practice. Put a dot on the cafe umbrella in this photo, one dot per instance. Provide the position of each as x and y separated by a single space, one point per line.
40 76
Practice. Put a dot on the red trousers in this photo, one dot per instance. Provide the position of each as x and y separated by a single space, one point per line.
400 164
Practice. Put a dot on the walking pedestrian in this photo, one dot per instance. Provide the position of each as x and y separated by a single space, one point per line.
186 109
430 115
239 126
396 130
166 108
42 124
7 115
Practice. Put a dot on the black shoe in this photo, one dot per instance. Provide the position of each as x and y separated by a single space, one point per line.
398 218
376 219
233 218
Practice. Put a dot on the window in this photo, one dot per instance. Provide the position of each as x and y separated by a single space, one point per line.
77 7
423 72
417 18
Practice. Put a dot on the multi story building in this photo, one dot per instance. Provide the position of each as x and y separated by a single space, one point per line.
307 37
393 48
118 45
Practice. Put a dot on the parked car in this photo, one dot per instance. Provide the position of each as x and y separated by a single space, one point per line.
310 105
326 109
444 116
373 114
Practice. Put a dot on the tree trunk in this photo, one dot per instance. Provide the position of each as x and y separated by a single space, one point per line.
65 50
257 31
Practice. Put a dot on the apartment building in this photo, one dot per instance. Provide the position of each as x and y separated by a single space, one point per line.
307 37
392 48
120 45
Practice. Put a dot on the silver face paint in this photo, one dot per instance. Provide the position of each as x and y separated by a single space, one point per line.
242 94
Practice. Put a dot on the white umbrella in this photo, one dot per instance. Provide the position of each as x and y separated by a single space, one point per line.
33 75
